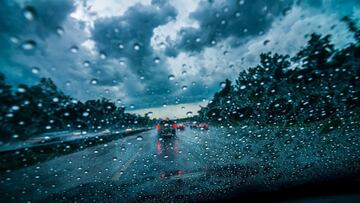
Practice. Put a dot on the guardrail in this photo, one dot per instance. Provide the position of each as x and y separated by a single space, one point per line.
33 154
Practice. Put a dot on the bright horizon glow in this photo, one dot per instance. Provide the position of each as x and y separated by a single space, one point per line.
171 111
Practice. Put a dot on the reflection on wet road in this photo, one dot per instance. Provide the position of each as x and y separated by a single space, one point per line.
145 156
205 163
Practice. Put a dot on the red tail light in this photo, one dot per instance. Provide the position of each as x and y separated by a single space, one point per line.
158 126
174 126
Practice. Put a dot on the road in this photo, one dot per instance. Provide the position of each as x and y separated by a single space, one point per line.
137 157
144 166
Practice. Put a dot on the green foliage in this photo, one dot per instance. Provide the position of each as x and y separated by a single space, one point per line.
318 83
43 108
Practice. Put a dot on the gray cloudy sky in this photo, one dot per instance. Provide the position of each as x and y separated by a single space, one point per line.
128 49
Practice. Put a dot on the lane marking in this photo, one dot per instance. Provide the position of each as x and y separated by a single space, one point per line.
118 174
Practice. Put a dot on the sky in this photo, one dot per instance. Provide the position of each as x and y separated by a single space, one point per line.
166 57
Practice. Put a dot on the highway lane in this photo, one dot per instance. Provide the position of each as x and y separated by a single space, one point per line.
143 156
145 166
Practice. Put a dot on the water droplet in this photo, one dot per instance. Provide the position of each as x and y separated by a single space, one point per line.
103 55
243 87
28 45
29 13
241 2
55 99
86 63
139 138
184 87
74 49
149 113
15 108
68 83
184 72
136 47
94 81
85 114
132 106
156 60
59 31
115 158
21 90
171 77
119 101
222 84
35 70
197 39
121 46
189 113
14 40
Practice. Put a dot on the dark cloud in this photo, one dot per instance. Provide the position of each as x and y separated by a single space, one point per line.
128 38
219 20
27 21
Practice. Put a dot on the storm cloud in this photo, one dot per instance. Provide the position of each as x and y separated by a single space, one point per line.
219 20
127 38
151 53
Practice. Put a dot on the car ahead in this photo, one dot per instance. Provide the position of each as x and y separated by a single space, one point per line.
204 126
166 128
201 126
180 126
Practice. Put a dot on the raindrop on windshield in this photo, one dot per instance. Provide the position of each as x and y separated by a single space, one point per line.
149 113
156 60
222 84
28 45
139 138
85 114
132 106
94 81
171 77
103 55
86 63
136 47
189 113
59 31
184 72
121 46
35 70
184 87
74 49
29 13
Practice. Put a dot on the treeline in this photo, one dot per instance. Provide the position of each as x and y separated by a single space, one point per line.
319 83
30 110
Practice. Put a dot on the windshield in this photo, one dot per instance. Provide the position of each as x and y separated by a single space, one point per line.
179 100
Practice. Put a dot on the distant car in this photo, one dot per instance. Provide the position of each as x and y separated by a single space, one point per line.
128 129
201 126
180 127
204 126
166 128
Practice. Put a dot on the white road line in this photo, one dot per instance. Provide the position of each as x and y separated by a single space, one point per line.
118 174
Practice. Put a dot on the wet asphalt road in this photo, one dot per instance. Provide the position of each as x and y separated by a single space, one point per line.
195 165
139 157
